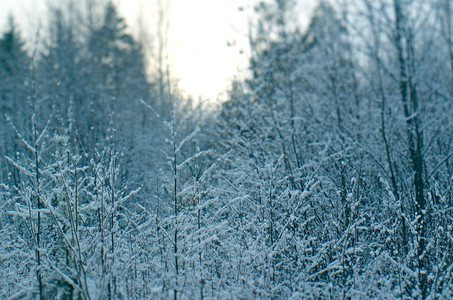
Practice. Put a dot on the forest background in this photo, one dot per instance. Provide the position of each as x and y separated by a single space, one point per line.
326 173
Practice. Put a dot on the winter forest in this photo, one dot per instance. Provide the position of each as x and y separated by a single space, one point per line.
326 174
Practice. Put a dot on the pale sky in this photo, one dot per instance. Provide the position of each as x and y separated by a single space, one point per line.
207 42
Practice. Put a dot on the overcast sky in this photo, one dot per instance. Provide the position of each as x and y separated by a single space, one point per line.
207 38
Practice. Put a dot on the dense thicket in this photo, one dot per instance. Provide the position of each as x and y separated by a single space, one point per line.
326 174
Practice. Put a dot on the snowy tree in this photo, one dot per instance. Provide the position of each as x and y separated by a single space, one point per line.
326 174
14 74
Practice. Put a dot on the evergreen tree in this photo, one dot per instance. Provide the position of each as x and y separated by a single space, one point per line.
14 78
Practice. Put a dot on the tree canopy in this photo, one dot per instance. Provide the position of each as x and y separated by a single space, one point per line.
327 173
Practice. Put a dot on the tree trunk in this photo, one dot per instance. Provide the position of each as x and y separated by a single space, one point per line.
415 136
